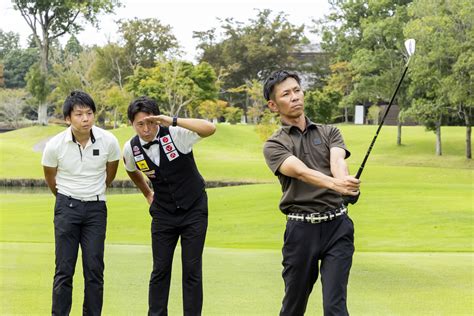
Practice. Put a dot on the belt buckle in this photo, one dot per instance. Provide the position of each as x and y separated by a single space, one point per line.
314 218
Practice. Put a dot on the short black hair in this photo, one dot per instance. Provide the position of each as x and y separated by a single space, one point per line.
77 98
142 104
275 78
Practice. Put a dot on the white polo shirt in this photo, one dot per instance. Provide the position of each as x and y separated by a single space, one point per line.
183 139
81 172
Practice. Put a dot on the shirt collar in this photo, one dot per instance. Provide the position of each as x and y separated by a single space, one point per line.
95 134
288 128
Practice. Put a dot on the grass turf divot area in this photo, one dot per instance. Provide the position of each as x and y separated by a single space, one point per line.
244 282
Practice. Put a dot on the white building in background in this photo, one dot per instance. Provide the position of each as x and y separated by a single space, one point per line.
359 115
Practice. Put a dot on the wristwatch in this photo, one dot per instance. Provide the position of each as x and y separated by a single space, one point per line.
175 121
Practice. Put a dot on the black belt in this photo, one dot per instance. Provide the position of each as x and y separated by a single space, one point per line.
316 218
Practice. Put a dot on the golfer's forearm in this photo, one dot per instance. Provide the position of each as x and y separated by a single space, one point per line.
316 178
339 169
202 127
140 182
338 163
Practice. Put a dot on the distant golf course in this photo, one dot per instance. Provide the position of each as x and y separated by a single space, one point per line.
414 229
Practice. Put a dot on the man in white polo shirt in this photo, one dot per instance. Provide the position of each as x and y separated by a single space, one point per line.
79 163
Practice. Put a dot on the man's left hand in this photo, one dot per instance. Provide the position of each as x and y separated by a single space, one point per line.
350 199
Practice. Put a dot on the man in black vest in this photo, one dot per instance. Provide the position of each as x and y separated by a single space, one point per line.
162 150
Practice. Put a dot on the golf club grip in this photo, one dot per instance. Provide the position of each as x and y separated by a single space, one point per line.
361 168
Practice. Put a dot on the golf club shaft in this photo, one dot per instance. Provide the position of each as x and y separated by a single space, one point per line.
361 168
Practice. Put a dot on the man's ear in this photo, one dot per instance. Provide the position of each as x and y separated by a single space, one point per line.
272 106
68 120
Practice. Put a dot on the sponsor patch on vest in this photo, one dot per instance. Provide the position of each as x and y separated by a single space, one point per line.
136 150
169 147
139 157
143 165
165 139
172 155
150 174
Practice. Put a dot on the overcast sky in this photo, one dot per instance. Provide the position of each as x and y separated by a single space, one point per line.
184 16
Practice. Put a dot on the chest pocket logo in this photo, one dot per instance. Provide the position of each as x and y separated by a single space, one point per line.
317 141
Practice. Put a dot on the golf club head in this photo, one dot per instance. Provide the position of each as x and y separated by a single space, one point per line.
410 46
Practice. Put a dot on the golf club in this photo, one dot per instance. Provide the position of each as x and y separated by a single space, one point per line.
410 47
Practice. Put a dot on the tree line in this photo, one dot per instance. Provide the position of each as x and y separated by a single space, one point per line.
358 61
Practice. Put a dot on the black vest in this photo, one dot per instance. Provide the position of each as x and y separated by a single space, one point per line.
177 182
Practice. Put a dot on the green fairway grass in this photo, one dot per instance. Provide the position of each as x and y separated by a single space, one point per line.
414 225
244 282
234 153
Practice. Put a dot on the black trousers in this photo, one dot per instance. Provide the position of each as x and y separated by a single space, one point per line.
306 245
79 223
166 228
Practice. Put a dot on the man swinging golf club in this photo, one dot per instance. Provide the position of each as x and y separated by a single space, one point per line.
309 160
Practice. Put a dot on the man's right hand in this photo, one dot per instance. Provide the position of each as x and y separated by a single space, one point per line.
149 197
348 185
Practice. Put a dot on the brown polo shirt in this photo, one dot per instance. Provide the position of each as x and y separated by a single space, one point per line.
313 148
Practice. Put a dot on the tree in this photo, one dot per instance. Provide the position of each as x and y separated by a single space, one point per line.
368 36
78 75
73 47
212 109
268 125
250 51
461 91
48 20
459 85
2 79
12 102
146 40
341 81
37 84
16 65
374 114
255 101
232 114
444 32
321 106
117 100
112 64
9 41
175 84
